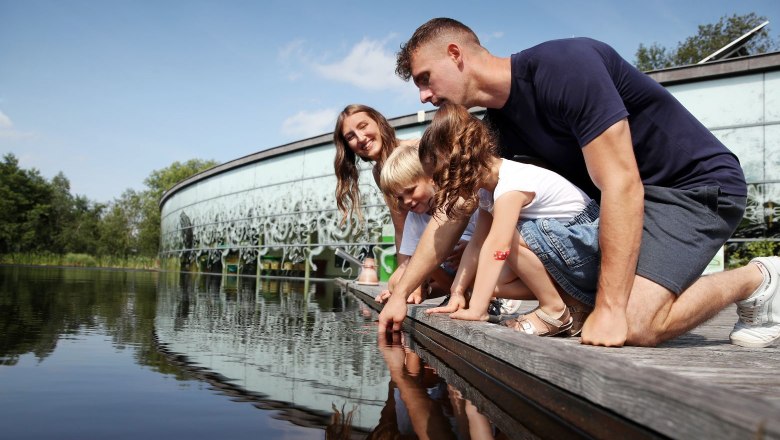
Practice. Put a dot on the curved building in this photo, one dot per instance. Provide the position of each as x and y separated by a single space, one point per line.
274 213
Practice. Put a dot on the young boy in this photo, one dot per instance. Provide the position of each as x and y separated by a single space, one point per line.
406 185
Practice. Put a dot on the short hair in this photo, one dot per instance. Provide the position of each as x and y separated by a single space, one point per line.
430 30
400 170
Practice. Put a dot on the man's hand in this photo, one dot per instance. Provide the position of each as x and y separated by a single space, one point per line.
392 315
605 327
455 303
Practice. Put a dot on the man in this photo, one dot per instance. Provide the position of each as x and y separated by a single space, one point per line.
670 193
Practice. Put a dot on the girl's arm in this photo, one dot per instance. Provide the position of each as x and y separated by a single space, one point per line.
492 256
467 268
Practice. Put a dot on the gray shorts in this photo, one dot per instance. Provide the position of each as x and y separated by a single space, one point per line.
683 229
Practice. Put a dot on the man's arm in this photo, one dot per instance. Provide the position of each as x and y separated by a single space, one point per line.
435 245
613 169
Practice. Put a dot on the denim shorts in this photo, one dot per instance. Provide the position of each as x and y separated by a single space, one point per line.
683 229
569 251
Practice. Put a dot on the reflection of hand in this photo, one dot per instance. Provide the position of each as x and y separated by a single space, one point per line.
425 415
470 315
365 311
455 303
393 352
383 296
393 314
457 253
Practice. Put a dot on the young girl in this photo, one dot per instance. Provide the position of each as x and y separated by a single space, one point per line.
543 226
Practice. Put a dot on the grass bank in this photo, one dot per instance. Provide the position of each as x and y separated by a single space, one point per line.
81 260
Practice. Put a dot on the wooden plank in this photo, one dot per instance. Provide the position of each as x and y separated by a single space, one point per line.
696 386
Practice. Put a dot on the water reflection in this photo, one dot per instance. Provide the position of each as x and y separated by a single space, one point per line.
307 353
421 405
303 350
41 306
312 351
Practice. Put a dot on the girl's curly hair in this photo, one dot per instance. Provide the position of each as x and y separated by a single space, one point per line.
456 149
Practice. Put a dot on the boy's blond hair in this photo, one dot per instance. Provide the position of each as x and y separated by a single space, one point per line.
400 170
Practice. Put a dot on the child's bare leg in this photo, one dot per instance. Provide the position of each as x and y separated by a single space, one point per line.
509 286
527 266
440 282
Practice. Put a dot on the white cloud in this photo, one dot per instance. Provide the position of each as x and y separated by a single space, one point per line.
306 124
7 130
5 121
368 65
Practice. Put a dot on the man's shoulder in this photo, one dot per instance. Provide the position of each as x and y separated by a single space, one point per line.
562 50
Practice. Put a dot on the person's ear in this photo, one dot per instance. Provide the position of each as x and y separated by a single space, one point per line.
454 52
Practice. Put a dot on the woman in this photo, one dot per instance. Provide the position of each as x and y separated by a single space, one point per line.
362 132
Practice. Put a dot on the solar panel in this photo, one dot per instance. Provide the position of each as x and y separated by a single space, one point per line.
736 47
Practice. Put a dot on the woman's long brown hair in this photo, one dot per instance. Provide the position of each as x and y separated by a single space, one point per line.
457 149
345 163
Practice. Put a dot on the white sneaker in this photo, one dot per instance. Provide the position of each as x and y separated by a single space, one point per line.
510 306
759 315
758 336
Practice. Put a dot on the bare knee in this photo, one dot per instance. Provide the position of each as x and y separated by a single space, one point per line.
645 336
647 313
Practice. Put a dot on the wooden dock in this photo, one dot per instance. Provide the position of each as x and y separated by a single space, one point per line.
696 386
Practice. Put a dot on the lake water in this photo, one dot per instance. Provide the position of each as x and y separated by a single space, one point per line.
121 354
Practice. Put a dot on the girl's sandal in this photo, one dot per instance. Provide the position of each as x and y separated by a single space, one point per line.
541 324
579 314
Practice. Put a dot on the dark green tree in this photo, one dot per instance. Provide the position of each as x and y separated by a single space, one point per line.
118 229
63 213
82 232
41 216
708 40
26 219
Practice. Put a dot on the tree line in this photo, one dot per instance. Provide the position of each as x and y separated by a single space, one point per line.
38 215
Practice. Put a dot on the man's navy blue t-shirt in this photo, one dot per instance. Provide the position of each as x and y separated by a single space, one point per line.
567 92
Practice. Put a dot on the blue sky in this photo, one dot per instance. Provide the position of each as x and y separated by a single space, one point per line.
108 90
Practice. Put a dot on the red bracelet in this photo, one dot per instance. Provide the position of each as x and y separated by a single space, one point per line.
501 255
